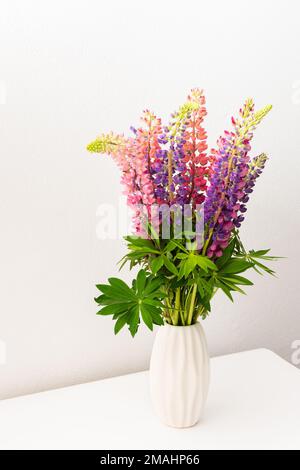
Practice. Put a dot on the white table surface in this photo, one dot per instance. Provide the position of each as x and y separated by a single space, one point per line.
253 403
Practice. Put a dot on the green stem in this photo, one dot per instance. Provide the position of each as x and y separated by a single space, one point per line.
201 309
177 306
192 305
207 242
169 310
182 317
187 304
199 312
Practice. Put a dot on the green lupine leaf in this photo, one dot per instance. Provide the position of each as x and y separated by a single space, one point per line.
156 264
257 270
120 285
133 320
104 288
118 295
181 256
121 321
227 254
181 269
263 267
113 309
237 279
152 286
155 303
200 288
138 255
155 314
141 281
235 266
233 286
105 300
206 303
170 266
142 249
170 246
206 263
157 319
147 318
153 233
258 253
204 287
140 242
113 292
158 294
175 243
122 262
189 264
226 290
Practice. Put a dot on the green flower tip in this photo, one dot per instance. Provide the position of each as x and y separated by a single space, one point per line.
94 147
105 143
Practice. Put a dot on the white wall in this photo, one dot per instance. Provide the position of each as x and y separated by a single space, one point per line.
69 69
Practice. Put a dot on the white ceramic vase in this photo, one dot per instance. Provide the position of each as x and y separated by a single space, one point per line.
179 374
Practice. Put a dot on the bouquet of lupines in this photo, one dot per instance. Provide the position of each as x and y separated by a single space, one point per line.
188 205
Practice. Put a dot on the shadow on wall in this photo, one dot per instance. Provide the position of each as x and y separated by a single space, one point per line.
295 357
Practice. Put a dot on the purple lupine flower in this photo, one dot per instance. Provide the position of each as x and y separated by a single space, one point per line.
225 196
232 180
159 172
176 139
219 205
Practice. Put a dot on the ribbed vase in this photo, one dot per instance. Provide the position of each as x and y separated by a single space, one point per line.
179 374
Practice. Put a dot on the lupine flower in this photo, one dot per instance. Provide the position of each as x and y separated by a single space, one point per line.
174 135
120 150
143 149
195 159
226 194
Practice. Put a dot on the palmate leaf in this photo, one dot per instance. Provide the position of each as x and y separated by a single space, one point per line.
128 304
189 262
115 292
